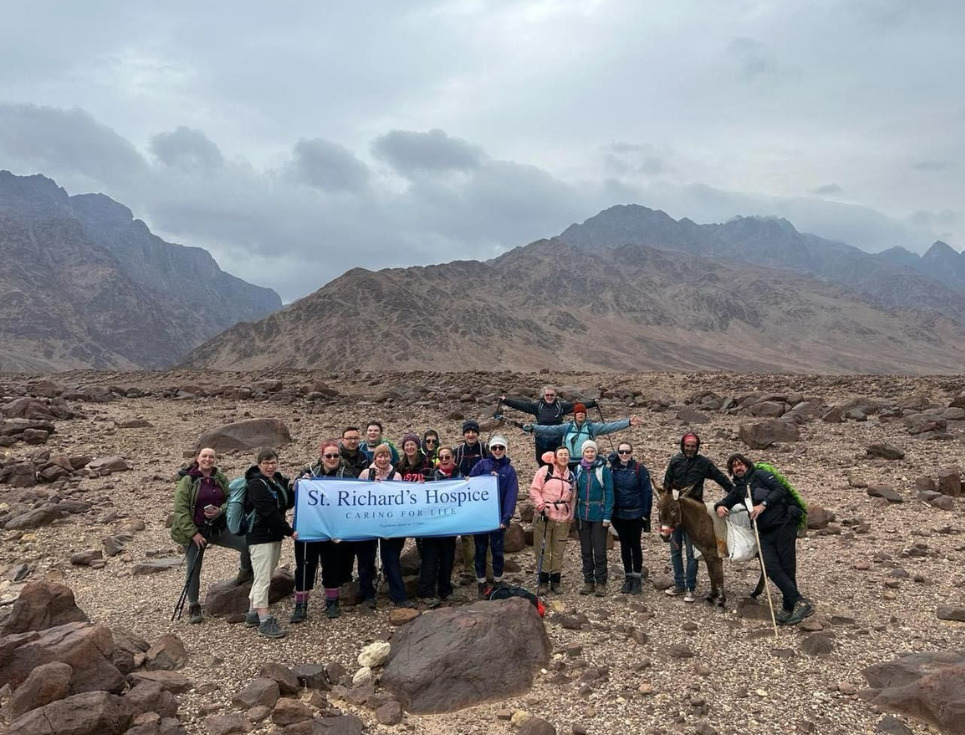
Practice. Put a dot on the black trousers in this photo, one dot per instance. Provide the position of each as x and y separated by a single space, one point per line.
593 550
631 551
331 556
438 557
779 549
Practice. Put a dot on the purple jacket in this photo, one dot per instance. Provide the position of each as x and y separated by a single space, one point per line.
506 481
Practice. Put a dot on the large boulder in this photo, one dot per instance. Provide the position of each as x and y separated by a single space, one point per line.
765 432
44 685
929 686
226 599
443 660
87 649
42 605
245 435
90 713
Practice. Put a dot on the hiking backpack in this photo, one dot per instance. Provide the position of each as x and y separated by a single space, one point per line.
239 521
504 592
802 522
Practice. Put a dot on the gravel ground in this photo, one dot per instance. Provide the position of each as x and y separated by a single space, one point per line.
739 678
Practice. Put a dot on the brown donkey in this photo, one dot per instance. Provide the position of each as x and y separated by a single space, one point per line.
692 516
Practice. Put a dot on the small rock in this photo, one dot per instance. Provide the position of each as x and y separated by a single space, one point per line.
817 645
389 713
374 654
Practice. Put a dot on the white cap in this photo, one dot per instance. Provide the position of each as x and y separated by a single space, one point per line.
588 444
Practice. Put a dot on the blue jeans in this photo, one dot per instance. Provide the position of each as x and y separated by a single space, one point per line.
392 567
365 551
492 540
678 541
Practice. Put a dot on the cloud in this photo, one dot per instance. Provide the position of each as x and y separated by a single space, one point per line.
327 166
753 58
318 209
621 158
412 153
932 166
187 149
47 139
827 190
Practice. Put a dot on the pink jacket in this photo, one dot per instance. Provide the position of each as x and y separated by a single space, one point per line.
390 470
544 492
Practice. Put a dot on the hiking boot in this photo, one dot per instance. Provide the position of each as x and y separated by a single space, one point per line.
252 620
781 616
482 589
543 588
270 629
404 603
691 596
300 612
674 591
332 609
194 613
802 609
244 575
556 587
627 585
636 585
587 588
369 602
600 590
431 603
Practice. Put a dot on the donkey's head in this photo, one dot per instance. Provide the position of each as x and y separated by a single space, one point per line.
668 508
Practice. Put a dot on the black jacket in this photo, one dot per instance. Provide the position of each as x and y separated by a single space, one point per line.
632 494
357 463
765 488
683 472
546 413
466 457
270 497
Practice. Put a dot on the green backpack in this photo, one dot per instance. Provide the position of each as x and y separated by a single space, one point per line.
802 522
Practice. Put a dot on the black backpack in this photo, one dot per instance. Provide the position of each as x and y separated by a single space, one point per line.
504 592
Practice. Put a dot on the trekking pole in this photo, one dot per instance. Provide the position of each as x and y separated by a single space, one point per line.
179 607
378 566
497 415
542 551
760 553
603 421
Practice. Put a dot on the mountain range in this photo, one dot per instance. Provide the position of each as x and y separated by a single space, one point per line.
84 284
555 305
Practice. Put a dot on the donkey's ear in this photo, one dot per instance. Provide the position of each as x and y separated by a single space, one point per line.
686 491
656 487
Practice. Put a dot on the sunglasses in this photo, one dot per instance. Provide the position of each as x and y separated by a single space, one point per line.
330 456
497 448
624 451
432 441
445 456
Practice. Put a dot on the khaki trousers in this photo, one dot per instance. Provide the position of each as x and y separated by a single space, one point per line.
469 558
264 559
556 534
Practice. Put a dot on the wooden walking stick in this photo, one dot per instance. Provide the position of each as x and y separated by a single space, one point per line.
760 553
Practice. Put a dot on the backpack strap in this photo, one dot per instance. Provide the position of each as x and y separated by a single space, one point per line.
371 474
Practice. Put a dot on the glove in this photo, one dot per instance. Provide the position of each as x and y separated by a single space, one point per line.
646 524
528 428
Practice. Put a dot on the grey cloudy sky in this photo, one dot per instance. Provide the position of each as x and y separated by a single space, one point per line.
296 140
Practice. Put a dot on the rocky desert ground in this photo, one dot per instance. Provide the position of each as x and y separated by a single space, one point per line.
876 456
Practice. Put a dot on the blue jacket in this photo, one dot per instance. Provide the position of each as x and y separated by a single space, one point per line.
506 480
633 495
574 436
594 502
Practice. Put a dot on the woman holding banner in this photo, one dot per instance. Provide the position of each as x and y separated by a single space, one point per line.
334 556
497 464
390 549
438 552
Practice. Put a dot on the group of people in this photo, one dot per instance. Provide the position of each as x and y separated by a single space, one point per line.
574 484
